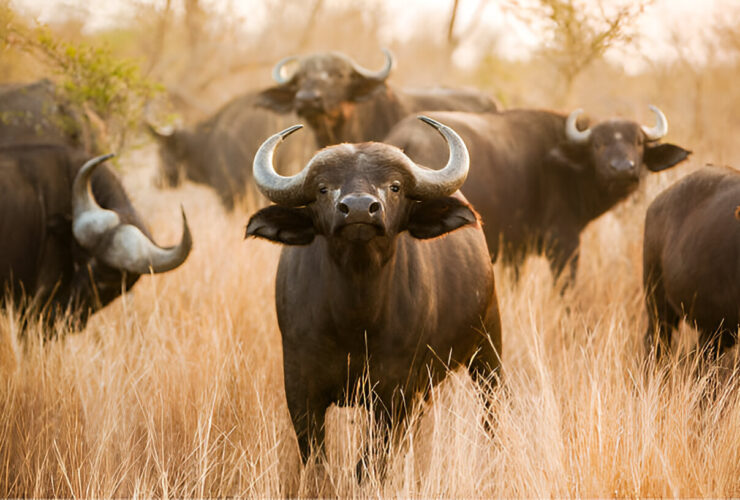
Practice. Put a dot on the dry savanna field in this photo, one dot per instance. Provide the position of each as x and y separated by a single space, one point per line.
176 389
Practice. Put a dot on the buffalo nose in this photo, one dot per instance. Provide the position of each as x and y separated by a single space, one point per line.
622 164
359 207
308 96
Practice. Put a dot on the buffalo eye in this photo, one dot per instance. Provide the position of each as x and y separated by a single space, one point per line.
395 187
323 189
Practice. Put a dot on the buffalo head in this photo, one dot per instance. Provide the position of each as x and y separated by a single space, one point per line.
361 195
615 151
320 87
174 152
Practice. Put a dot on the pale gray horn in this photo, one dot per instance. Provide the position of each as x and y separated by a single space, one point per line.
121 246
377 75
661 125
129 249
278 72
439 183
277 188
571 131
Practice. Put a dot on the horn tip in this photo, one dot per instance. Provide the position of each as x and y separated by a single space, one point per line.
285 133
430 121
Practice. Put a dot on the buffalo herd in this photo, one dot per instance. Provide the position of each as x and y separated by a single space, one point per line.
386 266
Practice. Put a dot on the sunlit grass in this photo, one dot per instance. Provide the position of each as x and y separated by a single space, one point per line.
176 389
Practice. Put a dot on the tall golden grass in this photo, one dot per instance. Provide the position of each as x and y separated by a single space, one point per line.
175 390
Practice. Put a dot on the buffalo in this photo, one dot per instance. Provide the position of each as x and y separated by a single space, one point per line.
343 102
215 151
537 179
385 272
35 113
72 241
691 257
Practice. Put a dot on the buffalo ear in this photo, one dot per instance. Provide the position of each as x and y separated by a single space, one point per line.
569 156
662 156
278 99
364 88
290 226
433 218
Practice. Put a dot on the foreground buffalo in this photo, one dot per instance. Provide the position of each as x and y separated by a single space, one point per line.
537 180
343 102
691 259
386 269
215 152
72 241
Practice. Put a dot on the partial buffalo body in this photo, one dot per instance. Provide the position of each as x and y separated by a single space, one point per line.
343 102
537 180
34 113
691 260
385 269
219 151
72 241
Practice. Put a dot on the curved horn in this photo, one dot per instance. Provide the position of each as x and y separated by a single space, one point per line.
129 249
377 75
90 221
661 125
122 246
572 132
279 69
279 189
444 182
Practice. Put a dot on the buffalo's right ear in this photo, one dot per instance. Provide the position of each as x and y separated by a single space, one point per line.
567 155
279 98
290 226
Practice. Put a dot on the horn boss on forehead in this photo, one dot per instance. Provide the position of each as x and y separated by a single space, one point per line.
290 191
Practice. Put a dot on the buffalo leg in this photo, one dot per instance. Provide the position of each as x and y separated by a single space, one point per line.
308 412
561 254
485 367
662 319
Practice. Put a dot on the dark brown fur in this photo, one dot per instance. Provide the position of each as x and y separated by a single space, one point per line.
219 151
534 189
691 260
341 105
406 289
41 264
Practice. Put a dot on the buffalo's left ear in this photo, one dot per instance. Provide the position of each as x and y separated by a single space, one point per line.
433 218
290 226
279 98
363 88
662 156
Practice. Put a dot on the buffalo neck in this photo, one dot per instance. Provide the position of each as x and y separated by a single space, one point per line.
362 277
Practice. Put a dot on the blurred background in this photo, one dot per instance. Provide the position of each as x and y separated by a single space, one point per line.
611 57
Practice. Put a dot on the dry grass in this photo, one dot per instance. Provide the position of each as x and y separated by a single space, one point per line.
176 390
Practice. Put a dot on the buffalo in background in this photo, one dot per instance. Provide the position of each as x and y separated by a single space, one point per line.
72 241
691 257
218 151
537 179
343 102
35 113
385 272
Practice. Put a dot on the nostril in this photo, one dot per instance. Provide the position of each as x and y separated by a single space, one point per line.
374 207
343 208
